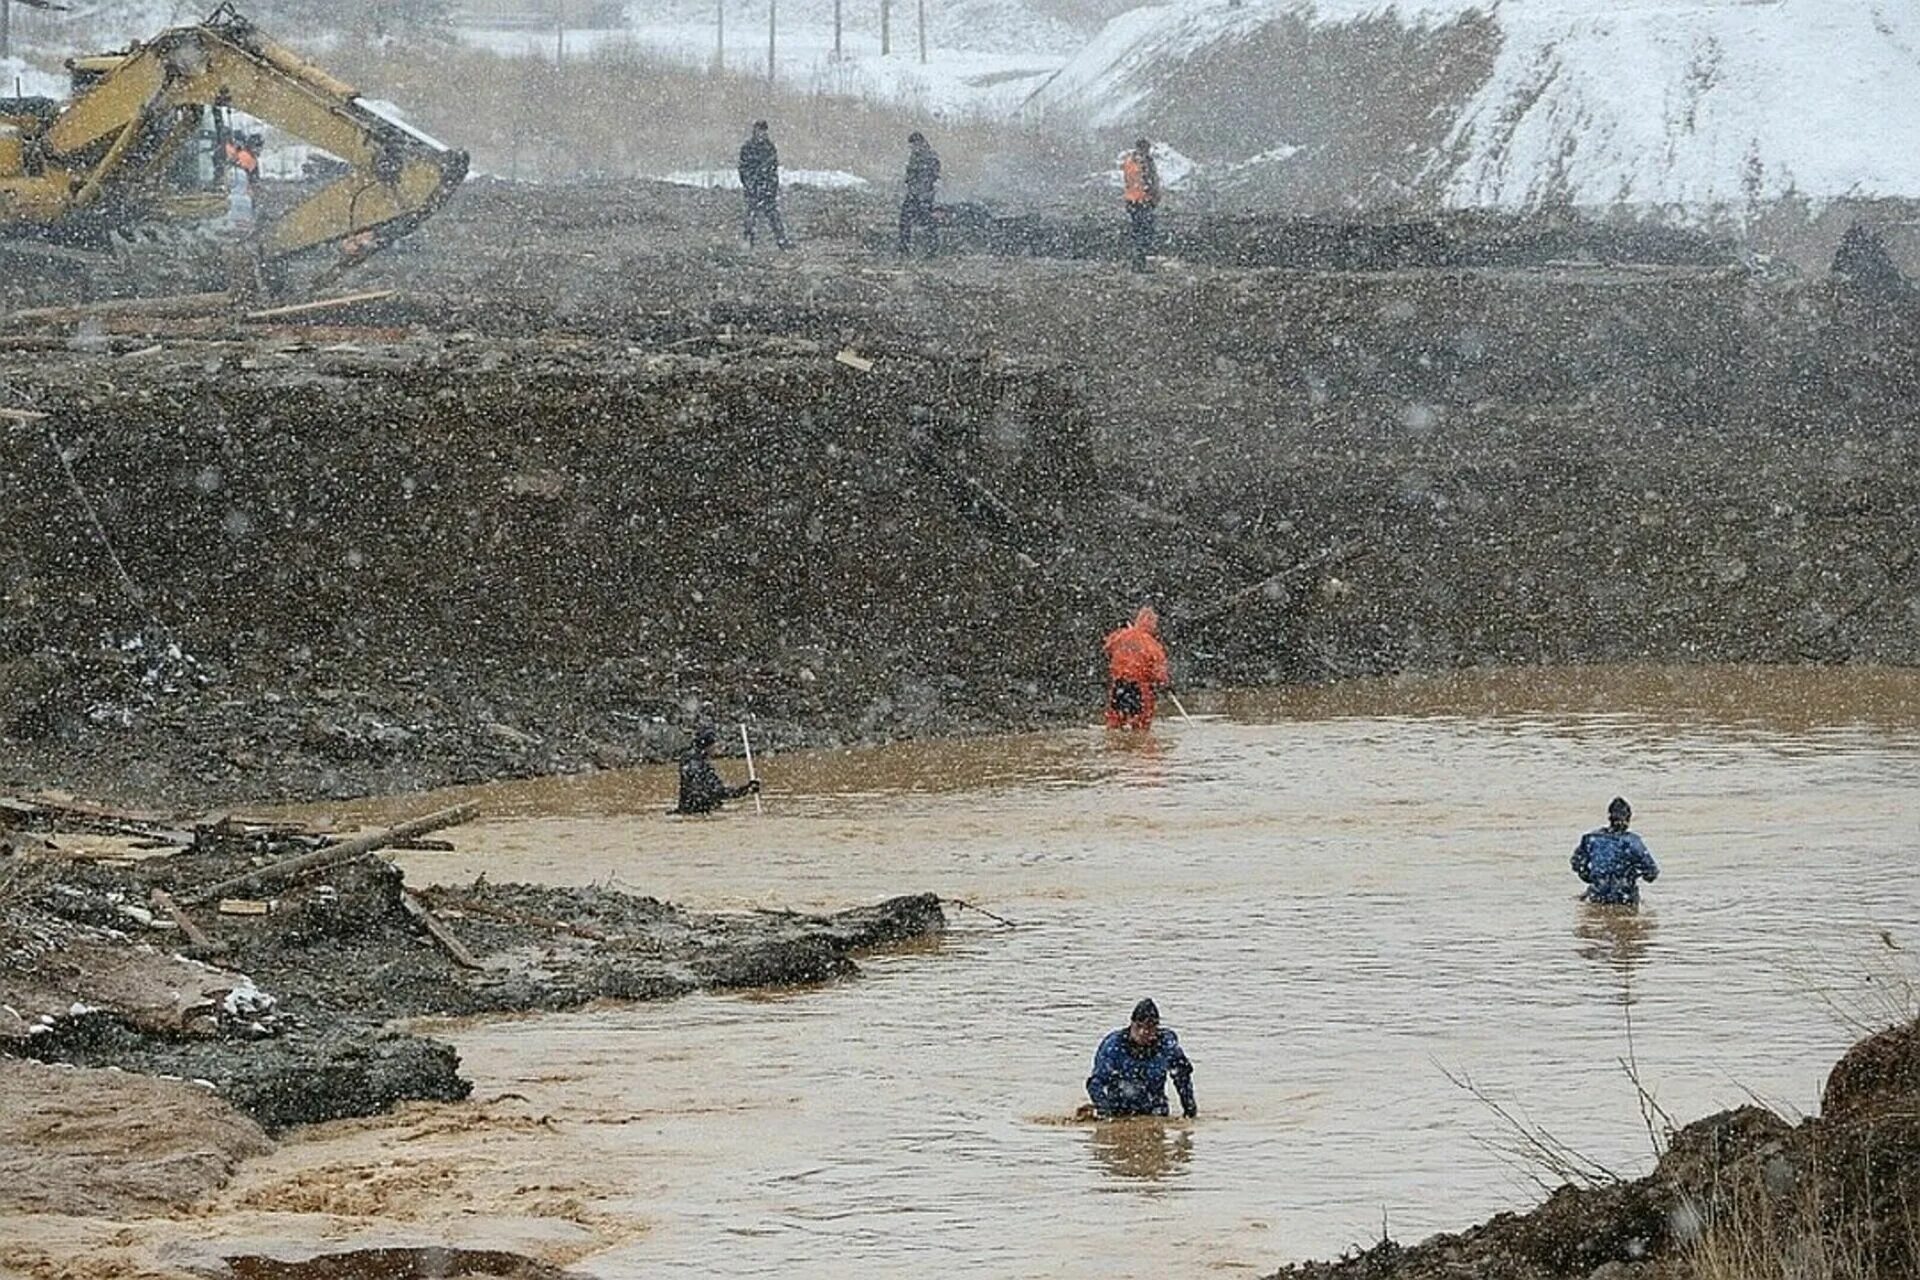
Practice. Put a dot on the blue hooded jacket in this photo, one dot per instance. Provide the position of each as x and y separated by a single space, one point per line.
1612 863
1129 1081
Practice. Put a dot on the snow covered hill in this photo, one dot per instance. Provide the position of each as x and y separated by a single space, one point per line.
1695 107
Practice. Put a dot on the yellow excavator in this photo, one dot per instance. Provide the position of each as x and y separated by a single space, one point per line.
144 142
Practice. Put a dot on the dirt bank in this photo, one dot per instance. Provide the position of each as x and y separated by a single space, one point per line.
599 472
287 1017
1740 1194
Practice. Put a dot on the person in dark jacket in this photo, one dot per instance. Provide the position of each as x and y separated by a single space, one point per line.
916 207
760 184
1131 1067
1613 860
701 790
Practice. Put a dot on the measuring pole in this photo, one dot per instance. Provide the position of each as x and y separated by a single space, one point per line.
886 27
6 28
923 32
751 775
719 35
773 8
836 30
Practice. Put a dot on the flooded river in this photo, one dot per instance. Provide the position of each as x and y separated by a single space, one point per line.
1338 897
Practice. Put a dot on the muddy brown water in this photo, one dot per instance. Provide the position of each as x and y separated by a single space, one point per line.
1337 896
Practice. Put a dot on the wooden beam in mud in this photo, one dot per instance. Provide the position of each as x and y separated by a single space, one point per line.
194 934
322 304
339 851
179 304
438 931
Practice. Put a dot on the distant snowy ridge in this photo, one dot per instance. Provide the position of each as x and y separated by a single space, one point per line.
1697 106
1694 107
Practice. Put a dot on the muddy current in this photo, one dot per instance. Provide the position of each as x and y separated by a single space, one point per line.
1339 897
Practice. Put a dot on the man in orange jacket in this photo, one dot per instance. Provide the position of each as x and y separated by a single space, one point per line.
1136 666
1140 186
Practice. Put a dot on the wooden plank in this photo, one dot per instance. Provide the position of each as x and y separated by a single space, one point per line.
22 415
195 936
455 949
179 304
340 851
322 304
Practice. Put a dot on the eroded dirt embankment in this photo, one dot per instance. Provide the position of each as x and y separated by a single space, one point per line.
1742 1193
575 490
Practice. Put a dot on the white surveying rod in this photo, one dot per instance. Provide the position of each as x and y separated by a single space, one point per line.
1170 693
751 775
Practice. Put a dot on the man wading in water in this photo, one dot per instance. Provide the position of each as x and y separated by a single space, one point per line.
1136 666
1130 1069
1613 860
701 790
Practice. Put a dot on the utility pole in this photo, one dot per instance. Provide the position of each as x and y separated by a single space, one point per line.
923 32
886 27
773 8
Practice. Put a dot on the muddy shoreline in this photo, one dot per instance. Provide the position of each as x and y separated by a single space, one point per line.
1741 1193
285 1004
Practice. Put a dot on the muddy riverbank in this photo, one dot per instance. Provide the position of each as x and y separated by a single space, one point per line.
569 492
1744 1193
283 1003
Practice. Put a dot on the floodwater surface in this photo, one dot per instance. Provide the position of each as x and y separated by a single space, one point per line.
1340 898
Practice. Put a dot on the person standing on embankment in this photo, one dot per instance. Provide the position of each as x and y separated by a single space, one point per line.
1136 667
916 206
1140 188
1613 860
760 184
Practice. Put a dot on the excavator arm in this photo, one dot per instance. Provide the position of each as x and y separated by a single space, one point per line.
106 148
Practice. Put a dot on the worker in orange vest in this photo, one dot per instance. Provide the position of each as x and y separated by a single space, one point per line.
1140 185
243 153
1136 666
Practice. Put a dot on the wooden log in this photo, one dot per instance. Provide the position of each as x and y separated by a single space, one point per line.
455 949
322 304
179 304
195 936
339 851
22 415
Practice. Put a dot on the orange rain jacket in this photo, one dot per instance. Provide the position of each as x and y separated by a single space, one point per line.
1140 180
1135 656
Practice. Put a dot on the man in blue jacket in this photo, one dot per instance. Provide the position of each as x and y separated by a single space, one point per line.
1130 1069
1613 860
